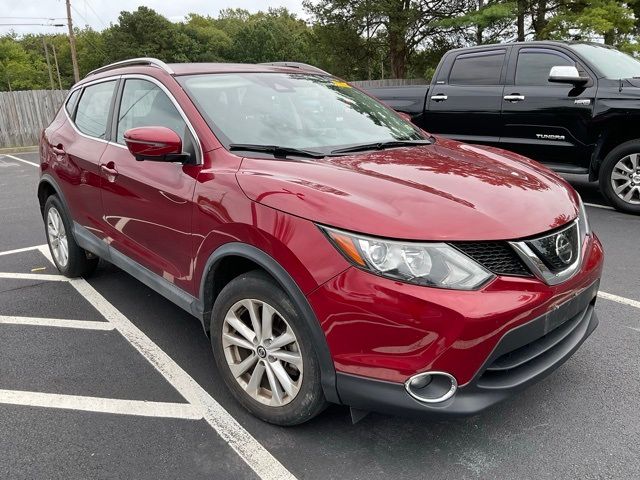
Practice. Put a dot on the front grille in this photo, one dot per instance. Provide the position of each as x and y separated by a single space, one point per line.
559 249
497 257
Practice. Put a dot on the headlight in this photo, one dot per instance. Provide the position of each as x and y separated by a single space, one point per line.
583 222
429 264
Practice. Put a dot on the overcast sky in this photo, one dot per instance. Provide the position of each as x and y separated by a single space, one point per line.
100 13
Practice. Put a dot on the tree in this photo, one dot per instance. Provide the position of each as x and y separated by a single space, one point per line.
210 43
611 20
276 35
21 69
145 33
489 21
403 25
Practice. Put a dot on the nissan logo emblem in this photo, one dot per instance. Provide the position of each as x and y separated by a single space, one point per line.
564 249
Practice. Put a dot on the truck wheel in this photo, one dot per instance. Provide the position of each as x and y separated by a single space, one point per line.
620 177
69 258
264 351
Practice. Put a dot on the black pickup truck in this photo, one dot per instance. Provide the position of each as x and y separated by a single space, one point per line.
573 106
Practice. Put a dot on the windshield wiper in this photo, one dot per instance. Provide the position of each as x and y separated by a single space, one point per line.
382 145
275 150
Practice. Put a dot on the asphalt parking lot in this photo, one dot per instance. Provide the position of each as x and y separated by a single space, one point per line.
104 378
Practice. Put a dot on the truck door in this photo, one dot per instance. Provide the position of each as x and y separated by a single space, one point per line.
542 120
465 100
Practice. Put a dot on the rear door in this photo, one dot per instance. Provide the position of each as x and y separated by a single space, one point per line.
464 103
148 205
542 120
78 146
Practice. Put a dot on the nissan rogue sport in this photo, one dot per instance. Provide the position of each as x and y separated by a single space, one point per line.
333 251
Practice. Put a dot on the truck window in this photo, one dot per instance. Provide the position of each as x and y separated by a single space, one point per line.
477 68
534 66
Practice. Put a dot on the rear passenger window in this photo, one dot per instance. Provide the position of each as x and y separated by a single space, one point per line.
534 66
93 109
144 104
71 102
477 69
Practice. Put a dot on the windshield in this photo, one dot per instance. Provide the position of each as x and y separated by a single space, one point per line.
612 63
311 112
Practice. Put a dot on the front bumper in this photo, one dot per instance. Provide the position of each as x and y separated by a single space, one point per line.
523 356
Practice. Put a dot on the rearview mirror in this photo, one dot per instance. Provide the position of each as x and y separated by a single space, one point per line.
159 144
567 74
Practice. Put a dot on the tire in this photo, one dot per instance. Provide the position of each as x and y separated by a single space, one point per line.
70 260
616 172
257 290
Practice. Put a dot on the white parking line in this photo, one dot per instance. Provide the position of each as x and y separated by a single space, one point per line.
619 299
22 160
56 322
265 465
20 250
102 405
33 276
597 205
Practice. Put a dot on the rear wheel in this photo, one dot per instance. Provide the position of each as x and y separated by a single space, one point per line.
620 177
69 258
264 351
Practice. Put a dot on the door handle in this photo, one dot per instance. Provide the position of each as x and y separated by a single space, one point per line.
515 97
58 149
109 171
439 97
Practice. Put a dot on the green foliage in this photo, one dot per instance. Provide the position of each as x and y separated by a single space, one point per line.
354 39
611 20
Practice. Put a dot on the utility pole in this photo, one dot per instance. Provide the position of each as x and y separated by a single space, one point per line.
46 55
72 43
55 60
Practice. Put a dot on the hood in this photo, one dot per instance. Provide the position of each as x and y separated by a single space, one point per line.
445 191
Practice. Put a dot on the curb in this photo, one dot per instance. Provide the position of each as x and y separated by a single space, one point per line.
30 149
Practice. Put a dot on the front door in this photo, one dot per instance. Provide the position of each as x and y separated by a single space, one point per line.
148 205
464 103
542 120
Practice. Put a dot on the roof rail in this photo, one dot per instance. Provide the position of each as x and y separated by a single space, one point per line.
300 65
134 61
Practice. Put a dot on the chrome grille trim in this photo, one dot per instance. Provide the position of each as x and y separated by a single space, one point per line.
539 268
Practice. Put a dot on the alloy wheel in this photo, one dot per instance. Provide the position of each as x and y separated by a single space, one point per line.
57 237
625 179
262 352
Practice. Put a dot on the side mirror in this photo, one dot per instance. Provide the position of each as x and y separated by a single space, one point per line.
158 144
567 74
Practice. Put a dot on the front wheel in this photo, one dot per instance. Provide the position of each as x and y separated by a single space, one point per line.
265 352
620 177
69 258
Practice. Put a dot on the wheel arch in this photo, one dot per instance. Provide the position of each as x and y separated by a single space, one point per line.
47 187
251 256
614 134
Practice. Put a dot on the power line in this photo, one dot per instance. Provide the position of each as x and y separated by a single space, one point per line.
88 4
35 18
33 24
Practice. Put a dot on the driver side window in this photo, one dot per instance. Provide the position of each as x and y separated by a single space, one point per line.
534 66
144 104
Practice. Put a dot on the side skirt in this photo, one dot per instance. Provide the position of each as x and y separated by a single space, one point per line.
93 244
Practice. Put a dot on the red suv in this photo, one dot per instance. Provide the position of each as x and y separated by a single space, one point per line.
333 251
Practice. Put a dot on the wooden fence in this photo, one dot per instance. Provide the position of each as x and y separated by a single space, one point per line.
390 82
24 114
